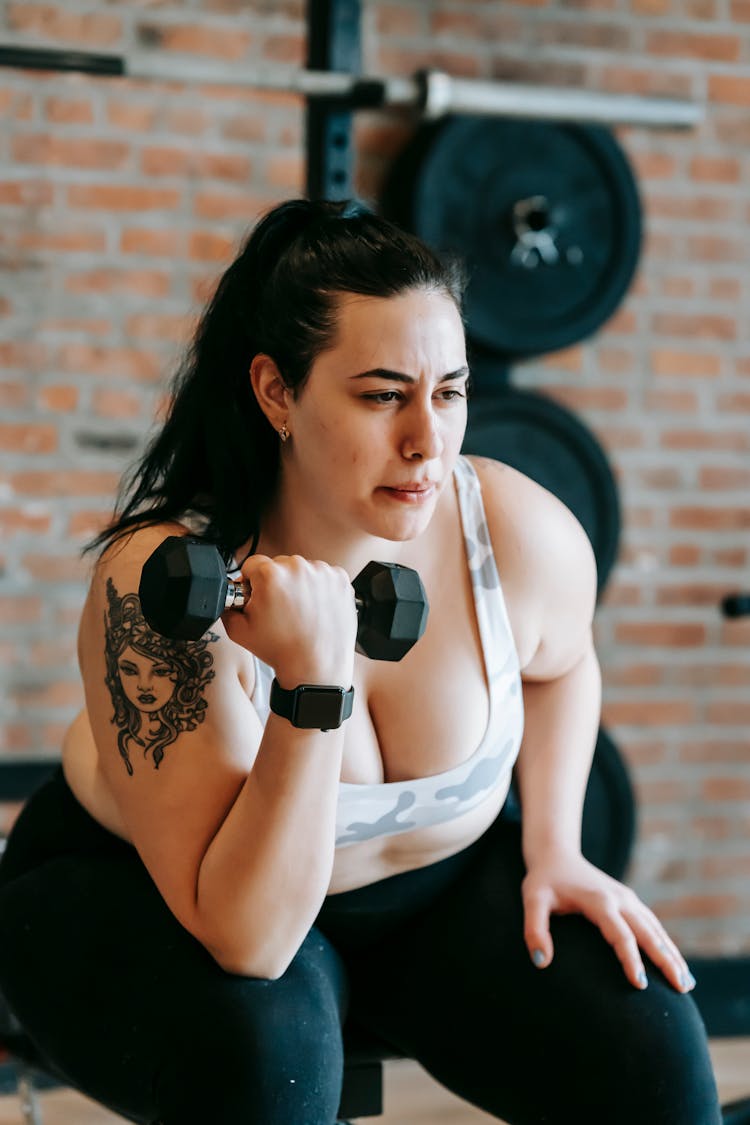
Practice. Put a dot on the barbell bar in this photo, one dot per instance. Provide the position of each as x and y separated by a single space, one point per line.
431 92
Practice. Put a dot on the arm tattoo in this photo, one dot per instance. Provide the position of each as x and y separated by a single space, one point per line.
156 684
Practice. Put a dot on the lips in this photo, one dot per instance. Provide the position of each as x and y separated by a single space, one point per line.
414 486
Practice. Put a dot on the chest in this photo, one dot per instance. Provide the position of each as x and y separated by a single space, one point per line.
428 712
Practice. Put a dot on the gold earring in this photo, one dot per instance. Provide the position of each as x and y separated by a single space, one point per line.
283 432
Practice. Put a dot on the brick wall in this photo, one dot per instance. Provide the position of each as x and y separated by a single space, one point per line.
121 201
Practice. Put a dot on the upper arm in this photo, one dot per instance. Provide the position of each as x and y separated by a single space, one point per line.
175 731
552 563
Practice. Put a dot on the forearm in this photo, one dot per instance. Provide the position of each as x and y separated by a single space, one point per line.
561 726
267 870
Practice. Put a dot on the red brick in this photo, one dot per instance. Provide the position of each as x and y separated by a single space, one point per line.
158 243
160 326
167 160
398 20
54 22
682 45
703 518
122 197
683 402
649 713
60 399
636 675
25 520
20 609
108 362
142 283
700 209
13 395
84 525
132 116
208 246
740 11
58 694
49 653
684 554
69 111
721 477
288 49
616 361
678 286
70 152
401 60
704 327
664 634
196 39
592 398
697 906
634 80
28 438
26 193
116 404
725 440
65 568
222 205
717 169
80 325
731 89
64 483
287 172
666 361
65 241
734 404
654 165
696 593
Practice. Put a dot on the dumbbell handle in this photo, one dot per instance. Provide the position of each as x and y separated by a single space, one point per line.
238 594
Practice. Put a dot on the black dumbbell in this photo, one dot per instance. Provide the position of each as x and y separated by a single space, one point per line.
184 588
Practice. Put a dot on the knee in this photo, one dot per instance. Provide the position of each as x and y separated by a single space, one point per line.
265 1053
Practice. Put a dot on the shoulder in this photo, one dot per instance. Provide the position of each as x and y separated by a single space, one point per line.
115 590
547 556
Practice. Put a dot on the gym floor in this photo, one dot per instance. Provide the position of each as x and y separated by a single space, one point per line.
411 1096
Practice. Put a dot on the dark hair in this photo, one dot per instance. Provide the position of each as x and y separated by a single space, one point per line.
279 297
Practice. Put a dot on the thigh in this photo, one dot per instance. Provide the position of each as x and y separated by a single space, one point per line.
132 1010
574 1042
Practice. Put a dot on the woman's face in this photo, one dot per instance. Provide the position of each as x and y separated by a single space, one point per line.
148 684
378 426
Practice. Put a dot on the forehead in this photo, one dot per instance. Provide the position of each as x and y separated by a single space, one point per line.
412 331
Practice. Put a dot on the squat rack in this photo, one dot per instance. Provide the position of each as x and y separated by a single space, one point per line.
334 89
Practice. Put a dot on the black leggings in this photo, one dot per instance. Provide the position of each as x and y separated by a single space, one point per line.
132 1010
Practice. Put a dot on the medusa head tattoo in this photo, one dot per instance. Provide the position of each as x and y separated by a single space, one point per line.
156 683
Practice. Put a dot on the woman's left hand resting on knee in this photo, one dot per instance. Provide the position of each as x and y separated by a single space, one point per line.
569 884
562 702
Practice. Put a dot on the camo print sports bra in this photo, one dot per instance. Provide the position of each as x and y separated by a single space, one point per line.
385 809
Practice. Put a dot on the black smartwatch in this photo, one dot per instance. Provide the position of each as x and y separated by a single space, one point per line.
312 706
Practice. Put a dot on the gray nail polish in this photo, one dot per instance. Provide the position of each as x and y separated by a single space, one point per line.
642 979
538 957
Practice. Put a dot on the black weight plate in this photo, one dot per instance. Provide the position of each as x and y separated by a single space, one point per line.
456 185
548 443
608 822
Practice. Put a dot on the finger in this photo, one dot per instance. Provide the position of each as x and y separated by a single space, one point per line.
622 939
656 942
536 930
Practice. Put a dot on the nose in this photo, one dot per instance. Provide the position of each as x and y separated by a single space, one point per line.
423 440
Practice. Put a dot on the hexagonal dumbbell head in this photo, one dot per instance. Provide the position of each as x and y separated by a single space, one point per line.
183 587
393 610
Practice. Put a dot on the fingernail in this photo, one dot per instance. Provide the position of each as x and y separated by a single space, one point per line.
687 980
538 957
642 979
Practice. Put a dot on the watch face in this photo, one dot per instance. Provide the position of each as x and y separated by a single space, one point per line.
319 707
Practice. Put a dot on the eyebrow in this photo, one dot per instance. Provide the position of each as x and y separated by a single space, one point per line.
400 377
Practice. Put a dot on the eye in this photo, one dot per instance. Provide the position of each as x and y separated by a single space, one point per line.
451 394
383 396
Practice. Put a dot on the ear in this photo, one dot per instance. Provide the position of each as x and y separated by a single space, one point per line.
270 389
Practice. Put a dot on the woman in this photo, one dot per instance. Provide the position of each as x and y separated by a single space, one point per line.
185 942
